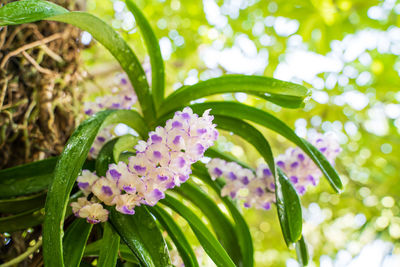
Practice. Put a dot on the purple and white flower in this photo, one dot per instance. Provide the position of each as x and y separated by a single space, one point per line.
161 163
122 97
300 169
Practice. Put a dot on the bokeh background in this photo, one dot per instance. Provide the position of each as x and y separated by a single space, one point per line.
346 51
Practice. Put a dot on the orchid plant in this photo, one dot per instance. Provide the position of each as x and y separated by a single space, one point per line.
127 187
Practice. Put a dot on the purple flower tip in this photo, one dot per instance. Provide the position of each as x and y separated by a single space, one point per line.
158 194
129 189
115 174
107 190
83 185
281 164
233 194
181 162
301 189
267 206
92 221
267 172
217 171
294 164
245 180
301 156
246 205
294 179
101 139
232 176
259 191
162 178
183 178
156 139
201 131
186 116
200 149
126 210
176 139
176 124
272 185
312 180
170 185
139 168
157 154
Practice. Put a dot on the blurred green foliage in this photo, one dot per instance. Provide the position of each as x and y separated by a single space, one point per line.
349 52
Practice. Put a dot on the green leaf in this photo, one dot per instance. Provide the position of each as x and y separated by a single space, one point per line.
66 172
26 179
241 227
248 133
222 226
124 143
153 47
244 112
210 244
103 33
105 157
142 235
214 153
93 250
109 247
177 236
30 178
21 204
285 92
28 11
111 151
75 240
21 221
302 252
289 208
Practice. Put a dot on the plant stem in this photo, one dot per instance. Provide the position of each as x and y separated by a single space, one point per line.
24 255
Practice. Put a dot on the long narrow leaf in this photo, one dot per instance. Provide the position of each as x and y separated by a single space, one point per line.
93 250
214 153
237 110
142 235
33 10
153 47
210 244
241 227
289 208
109 247
30 178
66 171
21 221
248 133
27 178
237 83
222 226
302 252
177 236
75 240
21 204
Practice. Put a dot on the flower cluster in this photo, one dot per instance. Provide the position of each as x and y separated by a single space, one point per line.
260 187
161 163
122 97
301 169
